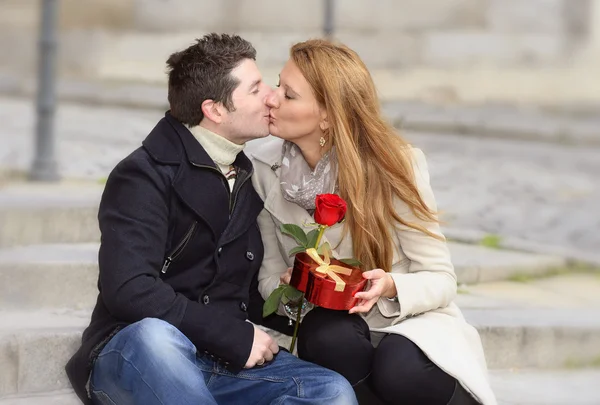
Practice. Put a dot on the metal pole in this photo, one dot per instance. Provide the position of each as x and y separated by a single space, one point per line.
328 22
44 164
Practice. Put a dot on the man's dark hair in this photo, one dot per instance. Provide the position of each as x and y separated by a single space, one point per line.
202 72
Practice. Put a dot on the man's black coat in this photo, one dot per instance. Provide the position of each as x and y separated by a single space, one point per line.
176 245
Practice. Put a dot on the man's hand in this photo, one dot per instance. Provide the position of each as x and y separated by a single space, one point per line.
263 349
286 277
382 285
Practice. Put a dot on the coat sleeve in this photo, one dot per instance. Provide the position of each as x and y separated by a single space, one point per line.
430 282
133 219
273 264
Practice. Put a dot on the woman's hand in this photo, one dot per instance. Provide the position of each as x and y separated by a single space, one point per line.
382 285
286 277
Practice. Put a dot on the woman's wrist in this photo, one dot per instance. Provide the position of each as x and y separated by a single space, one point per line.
390 291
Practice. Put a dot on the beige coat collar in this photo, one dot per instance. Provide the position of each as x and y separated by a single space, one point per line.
267 161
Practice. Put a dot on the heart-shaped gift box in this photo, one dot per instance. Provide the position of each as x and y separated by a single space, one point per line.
320 288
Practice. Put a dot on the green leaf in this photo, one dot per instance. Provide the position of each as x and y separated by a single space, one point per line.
291 293
351 262
312 238
325 246
272 303
295 232
297 249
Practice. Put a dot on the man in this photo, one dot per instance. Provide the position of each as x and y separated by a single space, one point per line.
179 254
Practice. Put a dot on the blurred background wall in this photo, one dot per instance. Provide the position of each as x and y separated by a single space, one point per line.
541 52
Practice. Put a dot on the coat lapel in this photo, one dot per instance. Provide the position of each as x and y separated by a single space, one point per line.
203 192
198 183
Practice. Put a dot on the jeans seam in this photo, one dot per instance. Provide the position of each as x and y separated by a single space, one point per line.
202 371
249 377
136 369
299 387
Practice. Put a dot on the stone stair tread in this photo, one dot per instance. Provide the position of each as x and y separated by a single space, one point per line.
546 387
567 290
477 264
51 253
49 276
583 318
43 321
36 195
64 275
48 319
35 345
512 387
61 397
464 256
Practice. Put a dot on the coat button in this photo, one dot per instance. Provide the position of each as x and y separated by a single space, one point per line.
250 256
219 250
243 306
205 300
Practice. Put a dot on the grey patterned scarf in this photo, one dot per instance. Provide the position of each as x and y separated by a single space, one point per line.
300 184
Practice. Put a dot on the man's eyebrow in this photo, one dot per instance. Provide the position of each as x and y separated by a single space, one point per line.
254 84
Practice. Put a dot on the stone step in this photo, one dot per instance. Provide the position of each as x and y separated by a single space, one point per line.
553 338
570 290
49 276
35 345
65 275
61 397
34 348
31 213
478 264
512 387
552 387
535 338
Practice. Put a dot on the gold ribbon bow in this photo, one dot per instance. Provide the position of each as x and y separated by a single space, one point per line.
329 269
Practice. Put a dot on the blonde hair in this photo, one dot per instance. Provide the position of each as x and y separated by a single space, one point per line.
377 162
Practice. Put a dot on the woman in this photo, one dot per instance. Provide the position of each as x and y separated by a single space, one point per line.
326 112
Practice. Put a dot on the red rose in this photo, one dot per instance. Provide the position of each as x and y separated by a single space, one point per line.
330 209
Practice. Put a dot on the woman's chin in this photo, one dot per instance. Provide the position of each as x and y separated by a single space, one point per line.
274 132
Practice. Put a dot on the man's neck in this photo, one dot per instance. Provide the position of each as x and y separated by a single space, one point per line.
219 148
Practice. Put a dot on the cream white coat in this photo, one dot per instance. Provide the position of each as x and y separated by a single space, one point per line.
422 271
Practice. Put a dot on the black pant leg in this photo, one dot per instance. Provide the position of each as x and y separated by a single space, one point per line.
403 374
338 341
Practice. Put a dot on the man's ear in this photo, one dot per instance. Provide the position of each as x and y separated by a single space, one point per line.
213 111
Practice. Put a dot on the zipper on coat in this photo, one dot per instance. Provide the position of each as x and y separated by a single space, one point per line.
179 248
236 192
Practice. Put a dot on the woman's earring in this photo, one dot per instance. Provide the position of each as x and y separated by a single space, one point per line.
322 141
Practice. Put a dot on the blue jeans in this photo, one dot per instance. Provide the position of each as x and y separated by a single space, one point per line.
152 362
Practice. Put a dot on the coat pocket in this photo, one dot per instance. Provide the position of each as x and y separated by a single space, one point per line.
179 248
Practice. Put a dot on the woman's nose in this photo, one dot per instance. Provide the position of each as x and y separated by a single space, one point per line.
273 99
